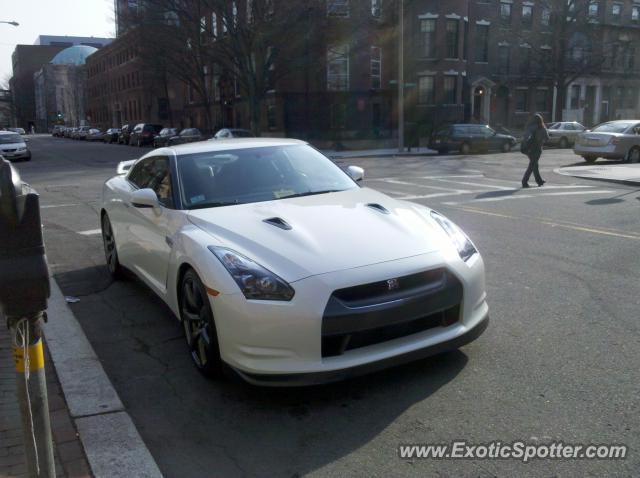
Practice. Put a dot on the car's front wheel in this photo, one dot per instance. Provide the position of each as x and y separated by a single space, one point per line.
110 250
199 326
590 159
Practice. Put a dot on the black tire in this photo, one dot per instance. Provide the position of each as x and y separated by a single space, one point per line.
590 159
110 249
465 148
199 326
564 143
634 155
505 147
442 151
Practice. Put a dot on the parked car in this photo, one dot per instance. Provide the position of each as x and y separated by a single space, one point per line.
187 135
125 133
227 133
470 137
68 133
13 146
564 133
612 140
82 132
17 130
143 134
57 130
349 304
95 134
111 135
162 138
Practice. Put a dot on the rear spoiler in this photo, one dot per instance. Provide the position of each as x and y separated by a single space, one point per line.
125 166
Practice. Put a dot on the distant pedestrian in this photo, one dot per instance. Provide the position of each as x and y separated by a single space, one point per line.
535 136
33 129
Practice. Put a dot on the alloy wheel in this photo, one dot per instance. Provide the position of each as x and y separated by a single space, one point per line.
634 155
110 250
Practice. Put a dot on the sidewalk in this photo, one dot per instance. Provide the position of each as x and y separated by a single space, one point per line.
71 461
377 153
620 173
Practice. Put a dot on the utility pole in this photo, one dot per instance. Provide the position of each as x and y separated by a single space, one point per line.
401 78
24 290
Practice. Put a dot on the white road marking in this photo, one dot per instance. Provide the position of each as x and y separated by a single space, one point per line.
50 206
427 186
90 232
526 196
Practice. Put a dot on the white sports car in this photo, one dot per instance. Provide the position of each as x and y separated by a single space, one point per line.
283 269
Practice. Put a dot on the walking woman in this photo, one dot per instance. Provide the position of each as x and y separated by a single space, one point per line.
535 136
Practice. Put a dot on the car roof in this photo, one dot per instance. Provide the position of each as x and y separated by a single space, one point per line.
9 132
224 145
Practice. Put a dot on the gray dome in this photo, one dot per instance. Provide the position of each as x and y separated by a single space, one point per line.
74 55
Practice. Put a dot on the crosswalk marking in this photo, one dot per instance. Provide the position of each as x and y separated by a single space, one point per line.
90 232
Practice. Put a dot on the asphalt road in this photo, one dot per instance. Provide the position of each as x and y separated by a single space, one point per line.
559 362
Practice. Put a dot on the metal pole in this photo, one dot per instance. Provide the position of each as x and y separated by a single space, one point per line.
401 79
555 99
28 356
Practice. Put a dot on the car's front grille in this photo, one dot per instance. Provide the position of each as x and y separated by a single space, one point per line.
373 313
8 150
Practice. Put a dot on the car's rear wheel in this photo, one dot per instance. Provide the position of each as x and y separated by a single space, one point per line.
590 159
199 326
110 250
564 142
465 148
506 147
634 155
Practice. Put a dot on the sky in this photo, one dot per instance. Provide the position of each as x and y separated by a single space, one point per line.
50 17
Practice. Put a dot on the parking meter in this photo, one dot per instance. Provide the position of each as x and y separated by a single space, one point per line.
24 274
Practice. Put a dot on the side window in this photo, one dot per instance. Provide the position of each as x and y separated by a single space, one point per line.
140 175
155 173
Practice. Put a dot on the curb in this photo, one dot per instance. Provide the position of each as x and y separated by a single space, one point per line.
628 182
110 439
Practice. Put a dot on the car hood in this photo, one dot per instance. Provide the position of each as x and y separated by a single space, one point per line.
4 146
329 232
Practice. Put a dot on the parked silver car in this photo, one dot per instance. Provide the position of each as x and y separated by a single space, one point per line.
613 140
564 133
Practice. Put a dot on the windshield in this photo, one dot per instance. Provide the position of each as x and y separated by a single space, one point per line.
221 178
613 127
10 138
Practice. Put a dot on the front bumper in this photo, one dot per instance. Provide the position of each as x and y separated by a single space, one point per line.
16 154
282 343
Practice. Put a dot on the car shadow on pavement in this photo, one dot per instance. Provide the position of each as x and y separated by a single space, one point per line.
496 194
193 425
611 200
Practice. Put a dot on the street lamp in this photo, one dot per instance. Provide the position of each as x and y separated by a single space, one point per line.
15 24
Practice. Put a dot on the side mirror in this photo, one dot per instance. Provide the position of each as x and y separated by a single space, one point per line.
144 198
356 173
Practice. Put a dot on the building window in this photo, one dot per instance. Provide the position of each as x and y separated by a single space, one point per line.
338 8
575 97
482 43
203 25
616 12
234 14
635 13
527 16
426 90
505 13
522 101
376 8
272 117
453 27
338 68
428 36
545 17
628 59
525 60
450 90
542 100
503 59
593 10
214 25
376 67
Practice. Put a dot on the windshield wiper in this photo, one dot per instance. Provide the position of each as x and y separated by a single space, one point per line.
310 193
214 204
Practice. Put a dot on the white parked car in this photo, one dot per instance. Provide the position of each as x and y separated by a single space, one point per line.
14 147
618 139
564 133
282 268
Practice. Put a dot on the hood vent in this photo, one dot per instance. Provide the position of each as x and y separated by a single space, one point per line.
278 222
378 208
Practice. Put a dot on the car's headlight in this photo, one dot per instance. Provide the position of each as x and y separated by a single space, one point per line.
19 150
255 282
463 244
